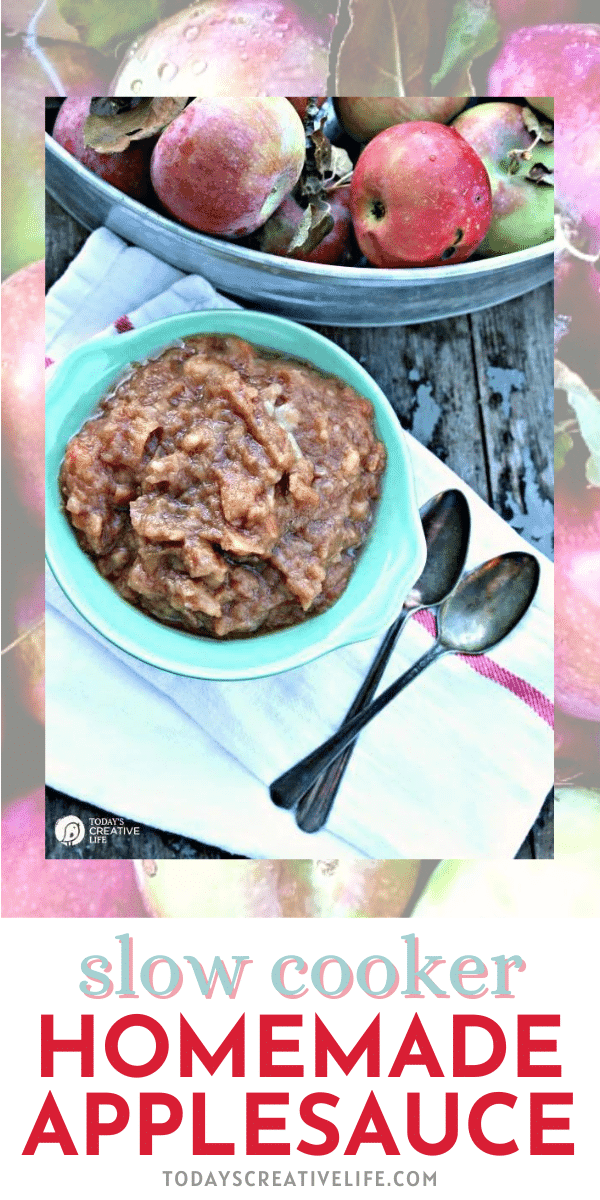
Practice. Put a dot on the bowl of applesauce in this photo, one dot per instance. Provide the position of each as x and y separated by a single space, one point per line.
229 494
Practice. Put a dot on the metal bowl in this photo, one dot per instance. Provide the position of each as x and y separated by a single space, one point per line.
309 292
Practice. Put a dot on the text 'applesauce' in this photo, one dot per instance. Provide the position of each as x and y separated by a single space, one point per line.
225 490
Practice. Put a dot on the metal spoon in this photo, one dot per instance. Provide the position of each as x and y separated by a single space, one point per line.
482 610
446 524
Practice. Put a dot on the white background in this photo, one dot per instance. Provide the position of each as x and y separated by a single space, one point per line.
42 972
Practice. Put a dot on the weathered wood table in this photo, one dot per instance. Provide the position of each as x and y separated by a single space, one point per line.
477 391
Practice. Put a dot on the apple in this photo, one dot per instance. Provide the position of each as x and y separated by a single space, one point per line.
129 170
275 237
577 596
365 116
28 632
230 48
224 165
25 82
420 196
539 61
577 297
277 888
564 887
576 750
50 23
522 209
544 104
33 886
515 13
22 298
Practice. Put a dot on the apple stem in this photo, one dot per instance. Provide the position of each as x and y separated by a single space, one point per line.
23 636
340 182
563 243
31 42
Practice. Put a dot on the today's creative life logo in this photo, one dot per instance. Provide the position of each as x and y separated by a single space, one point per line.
69 830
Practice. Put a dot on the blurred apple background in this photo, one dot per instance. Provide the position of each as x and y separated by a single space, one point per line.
519 46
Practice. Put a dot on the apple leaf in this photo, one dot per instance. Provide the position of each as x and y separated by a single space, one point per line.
384 49
112 134
542 131
586 407
102 23
315 225
563 444
472 32
326 166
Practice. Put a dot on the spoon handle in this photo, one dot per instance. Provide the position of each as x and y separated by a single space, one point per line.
315 806
289 787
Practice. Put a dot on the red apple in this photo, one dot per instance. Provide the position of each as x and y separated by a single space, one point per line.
513 14
365 116
576 750
23 382
522 207
230 48
420 197
129 170
577 297
33 886
276 235
577 595
223 166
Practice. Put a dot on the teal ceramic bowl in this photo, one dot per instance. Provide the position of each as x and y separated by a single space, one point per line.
388 565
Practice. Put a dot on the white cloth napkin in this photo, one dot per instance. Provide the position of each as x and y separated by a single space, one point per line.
457 767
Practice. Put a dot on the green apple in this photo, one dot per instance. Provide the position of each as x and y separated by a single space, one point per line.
520 171
284 888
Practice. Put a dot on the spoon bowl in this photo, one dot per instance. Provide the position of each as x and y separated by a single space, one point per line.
446 524
487 604
485 607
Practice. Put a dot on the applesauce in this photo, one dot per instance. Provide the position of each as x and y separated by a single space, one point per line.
225 490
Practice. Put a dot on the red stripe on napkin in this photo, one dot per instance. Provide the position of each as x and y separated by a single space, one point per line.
123 325
491 670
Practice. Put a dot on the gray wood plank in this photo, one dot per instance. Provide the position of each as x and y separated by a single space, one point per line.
513 352
542 834
427 373
64 239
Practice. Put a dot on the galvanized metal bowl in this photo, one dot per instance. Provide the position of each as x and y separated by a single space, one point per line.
308 292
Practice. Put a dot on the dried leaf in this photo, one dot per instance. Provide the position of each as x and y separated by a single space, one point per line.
385 48
541 175
298 234
316 224
324 167
586 407
111 134
472 32
542 131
